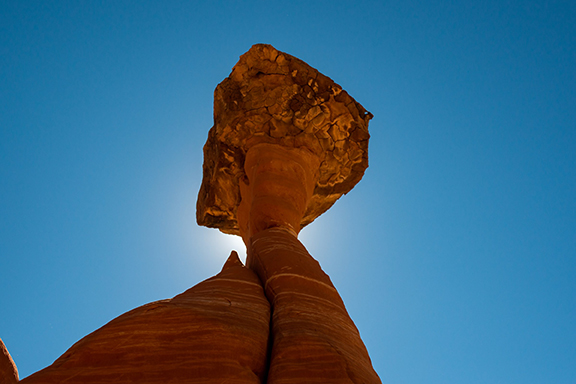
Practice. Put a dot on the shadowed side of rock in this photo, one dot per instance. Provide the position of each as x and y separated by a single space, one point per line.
272 97
8 371
314 338
216 331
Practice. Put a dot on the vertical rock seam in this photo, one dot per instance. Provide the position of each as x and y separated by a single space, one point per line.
215 332
314 338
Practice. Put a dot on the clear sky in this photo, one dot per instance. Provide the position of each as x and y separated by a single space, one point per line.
455 255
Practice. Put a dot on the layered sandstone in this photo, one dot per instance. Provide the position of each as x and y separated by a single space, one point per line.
277 188
287 142
8 371
274 98
215 332
267 153
314 338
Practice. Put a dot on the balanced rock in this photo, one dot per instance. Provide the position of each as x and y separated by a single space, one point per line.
272 97
215 332
287 142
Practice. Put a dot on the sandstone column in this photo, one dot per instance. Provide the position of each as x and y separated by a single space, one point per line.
313 338
286 144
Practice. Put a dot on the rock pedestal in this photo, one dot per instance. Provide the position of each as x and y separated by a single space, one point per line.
277 188
283 186
313 338
287 142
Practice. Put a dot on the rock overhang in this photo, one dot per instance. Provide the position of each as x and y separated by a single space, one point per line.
273 97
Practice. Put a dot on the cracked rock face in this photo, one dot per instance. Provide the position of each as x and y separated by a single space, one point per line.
272 97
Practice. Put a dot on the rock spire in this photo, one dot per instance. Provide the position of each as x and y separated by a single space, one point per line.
287 142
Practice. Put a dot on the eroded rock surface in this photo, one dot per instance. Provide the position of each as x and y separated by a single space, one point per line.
272 97
215 332
277 189
8 371
314 338
287 142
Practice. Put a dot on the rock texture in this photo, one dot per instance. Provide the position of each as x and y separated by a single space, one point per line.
287 142
314 339
277 189
215 332
8 371
272 97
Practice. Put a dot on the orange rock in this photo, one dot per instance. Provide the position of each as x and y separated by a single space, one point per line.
314 339
287 142
274 98
278 186
215 332
281 190
8 371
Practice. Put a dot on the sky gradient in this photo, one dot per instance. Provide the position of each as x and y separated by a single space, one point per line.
456 253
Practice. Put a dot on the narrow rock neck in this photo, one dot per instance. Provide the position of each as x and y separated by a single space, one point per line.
278 186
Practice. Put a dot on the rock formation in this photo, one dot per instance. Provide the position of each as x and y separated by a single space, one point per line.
284 181
8 371
272 97
314 339
215 332
287 142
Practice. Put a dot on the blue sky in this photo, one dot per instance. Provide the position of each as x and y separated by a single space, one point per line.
455 255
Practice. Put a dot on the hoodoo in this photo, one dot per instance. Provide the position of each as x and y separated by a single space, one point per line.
287 142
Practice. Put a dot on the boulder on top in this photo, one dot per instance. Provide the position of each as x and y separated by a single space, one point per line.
272 97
